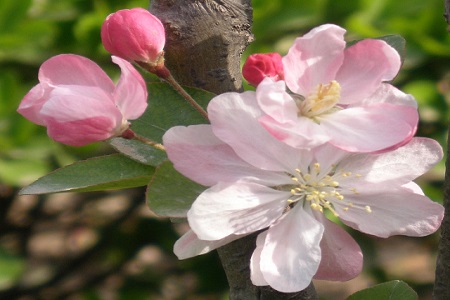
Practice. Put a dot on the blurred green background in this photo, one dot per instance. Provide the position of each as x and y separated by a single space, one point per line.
108 245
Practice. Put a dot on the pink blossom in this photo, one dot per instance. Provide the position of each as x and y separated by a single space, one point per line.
259 66
135 35
338 95
261 183
79 104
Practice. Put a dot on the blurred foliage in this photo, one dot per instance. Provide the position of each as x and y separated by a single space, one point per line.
31 31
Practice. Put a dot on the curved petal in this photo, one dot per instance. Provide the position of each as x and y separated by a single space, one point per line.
393 168
303 134
291 253
342 258
31 105
81 132
256 275
70 69
234 120
371 128
130 94
275 101
314 58
199 155
393 212
189 245
366 65
72 103
238 208
80 116
387 93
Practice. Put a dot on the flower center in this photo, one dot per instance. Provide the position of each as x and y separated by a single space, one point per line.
321 191
322 101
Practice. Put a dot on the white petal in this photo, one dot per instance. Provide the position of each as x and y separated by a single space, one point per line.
189 245
238 208
291 253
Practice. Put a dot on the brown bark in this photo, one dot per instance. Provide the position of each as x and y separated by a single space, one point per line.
205 40
441 288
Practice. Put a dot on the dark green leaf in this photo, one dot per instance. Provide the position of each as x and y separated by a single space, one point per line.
170 193
138 151
166 109
95 174
392 290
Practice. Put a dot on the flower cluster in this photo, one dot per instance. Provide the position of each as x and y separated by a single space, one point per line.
323 136
78 103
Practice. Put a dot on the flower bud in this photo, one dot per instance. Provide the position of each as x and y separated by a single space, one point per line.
135 35
79 104
259 66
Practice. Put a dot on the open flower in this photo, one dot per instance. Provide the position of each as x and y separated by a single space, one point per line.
261 183
338 95
79 104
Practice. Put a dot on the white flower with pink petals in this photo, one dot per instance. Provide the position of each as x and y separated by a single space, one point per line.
79 104
338 95
259 183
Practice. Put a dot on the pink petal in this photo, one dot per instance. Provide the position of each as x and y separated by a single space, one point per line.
80 116
71 103
189 245
32 103
342 258
396 167
314 58
387 93
238 208
371 128
303 134
70 69
366 65
131 91
394 212
234 120
291 253
202 157
275 101
81 132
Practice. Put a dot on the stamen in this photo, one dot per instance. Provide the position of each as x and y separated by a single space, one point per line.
322 100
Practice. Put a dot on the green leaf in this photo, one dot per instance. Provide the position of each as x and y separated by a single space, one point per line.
392 290
170 194
95 174
138 151
166 108
397 42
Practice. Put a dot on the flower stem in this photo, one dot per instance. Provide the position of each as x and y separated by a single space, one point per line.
186 96
131 135
162 72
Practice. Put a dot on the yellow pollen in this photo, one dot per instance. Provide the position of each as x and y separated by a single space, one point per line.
322 100
368 209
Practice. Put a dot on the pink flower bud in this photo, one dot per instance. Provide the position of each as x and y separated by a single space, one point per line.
135 35
79 104
259 66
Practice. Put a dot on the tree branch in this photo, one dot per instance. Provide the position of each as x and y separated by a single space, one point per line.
442 282
205 40
447 11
